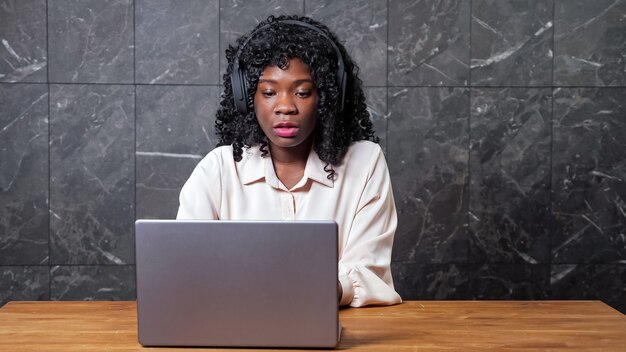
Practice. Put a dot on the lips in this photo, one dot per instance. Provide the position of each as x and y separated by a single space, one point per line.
286 129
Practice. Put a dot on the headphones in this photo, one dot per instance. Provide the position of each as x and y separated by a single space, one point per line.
240 83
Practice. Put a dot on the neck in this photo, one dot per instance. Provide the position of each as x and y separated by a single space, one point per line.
297 155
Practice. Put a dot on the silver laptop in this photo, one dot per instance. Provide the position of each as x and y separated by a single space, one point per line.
237 283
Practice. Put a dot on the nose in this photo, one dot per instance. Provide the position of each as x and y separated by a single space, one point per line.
285 105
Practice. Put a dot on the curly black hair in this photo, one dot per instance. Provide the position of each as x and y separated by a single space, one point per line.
335 129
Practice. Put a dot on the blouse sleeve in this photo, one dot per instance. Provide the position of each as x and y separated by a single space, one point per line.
201 196
364 267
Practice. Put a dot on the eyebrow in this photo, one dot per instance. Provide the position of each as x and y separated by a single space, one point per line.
297 82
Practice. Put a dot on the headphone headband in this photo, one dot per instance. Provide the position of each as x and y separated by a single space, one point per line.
239 81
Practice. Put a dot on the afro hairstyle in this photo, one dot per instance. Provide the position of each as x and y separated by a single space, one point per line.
273 45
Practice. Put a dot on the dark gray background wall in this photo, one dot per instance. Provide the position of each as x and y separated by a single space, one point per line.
504 124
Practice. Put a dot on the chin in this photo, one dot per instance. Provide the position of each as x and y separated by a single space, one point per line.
286 143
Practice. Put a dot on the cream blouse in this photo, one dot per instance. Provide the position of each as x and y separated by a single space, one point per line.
360 200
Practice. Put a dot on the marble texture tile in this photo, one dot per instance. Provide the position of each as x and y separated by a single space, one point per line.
512 42
92 174
510 175
92 283
177 41
589 175
361 26
175 130
376 100
90 41
24 283
470 166
431 281
589 43
428 155
510 281
24 52
23 174
238 17
429 42
606 282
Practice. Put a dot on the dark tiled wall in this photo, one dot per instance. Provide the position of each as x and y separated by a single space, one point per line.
504 124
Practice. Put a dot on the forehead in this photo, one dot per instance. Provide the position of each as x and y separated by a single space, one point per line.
295 70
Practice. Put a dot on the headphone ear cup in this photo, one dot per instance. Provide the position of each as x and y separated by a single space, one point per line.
238 83
244 91
342 81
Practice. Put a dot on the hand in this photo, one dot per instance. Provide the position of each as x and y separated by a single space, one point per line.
339 291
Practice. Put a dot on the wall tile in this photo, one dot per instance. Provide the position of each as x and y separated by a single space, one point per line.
376 100
431 281
90 41
429 42
428 166
24 53
24 283
606 282
362 27
177 41
238 17
589 43
440 251
509 281
512 42
23 174
589 175
92 283
510 175
91 174
175 129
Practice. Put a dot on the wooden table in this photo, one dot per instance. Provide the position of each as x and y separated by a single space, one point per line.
412 326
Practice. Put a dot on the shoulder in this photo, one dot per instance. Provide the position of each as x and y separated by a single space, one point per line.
218 155
366 146
221 161
363 153
362 160
212 164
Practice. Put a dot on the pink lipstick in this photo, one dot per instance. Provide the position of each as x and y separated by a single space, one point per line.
286 129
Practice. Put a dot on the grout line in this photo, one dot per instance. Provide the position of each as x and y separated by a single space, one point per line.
469 145
134 147
469 68
62 265
364 86
47 46
553 31
550 209
134 44
219 41
460 263
135 103
387 86
49 176
122 84
494 86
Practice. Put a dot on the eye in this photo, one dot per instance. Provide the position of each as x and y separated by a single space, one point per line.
268 93
303 93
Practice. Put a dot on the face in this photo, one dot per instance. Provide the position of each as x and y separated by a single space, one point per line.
285 104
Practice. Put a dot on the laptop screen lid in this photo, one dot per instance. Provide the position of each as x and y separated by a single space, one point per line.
237 283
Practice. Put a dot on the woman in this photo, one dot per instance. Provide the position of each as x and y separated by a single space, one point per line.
296 143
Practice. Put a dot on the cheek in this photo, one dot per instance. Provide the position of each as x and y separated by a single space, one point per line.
312 107
260 110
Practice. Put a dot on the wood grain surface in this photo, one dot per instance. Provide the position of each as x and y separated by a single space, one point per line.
411 326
